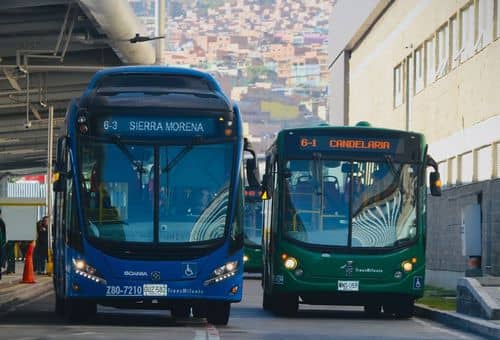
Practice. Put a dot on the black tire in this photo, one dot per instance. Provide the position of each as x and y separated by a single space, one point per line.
373 309
284 304
59 305
181 311
267 303
218 313
200 311
405 309
76 310
401 308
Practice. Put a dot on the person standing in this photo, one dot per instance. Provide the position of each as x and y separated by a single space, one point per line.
3 239
9 257
42 241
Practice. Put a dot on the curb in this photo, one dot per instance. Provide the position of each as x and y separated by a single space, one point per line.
466 323
20 293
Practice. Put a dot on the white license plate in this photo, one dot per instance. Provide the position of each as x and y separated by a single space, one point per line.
154 290
348 286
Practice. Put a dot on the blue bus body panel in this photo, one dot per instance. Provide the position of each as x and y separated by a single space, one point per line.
184 279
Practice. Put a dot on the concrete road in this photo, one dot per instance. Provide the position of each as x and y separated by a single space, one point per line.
248 321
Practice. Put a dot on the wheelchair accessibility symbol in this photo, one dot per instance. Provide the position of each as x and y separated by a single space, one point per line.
418 282
189 270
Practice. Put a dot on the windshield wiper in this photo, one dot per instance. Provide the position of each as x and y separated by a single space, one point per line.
178 158
137 165
402 241
389 161
317 173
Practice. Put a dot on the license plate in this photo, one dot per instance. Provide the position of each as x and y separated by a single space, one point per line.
349 286
154 290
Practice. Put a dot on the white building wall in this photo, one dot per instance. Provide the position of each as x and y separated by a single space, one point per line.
348 22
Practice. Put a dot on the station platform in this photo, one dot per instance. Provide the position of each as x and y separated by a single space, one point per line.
13 292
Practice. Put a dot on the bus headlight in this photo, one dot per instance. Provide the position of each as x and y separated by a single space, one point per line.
290 263
87 271
223 272
407 266
245 258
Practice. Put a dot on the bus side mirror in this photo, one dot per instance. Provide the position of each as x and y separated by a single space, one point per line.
58 179
435 183
252 172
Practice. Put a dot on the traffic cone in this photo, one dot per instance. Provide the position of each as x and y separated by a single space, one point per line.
28 273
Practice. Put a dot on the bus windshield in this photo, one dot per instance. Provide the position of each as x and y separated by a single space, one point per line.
351 203
119 188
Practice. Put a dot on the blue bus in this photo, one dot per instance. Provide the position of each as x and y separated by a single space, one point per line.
149 196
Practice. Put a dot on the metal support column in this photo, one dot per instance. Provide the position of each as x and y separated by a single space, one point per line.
160 44
48 186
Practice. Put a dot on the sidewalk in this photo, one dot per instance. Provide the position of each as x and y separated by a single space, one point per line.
13 292
486 328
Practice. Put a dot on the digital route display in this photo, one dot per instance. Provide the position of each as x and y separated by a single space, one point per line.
133 126
351 144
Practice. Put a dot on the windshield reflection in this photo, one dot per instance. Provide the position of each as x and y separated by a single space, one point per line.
194 192
119 191
323 197
116 202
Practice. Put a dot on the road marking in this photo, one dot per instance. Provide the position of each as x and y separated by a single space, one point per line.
200 335
443 330
210 333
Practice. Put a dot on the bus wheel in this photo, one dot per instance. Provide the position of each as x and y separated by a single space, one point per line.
285 304
405 309
59 305
181 311
200 311
373 309
77 310
218 313
267 302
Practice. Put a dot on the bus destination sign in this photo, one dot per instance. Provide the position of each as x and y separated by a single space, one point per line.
362 144
134 126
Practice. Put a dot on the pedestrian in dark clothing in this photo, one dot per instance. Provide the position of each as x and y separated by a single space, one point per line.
3 240
42 244
9 257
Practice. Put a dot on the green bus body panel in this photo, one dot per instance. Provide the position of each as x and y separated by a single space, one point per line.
375 272
254 263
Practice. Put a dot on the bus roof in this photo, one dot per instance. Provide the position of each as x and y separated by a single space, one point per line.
346 129
159 86
161 70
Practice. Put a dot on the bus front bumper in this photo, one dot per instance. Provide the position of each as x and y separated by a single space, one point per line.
140 293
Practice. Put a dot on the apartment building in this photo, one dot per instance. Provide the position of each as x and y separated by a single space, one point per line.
431 66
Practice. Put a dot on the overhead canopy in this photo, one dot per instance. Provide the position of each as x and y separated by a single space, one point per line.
49 49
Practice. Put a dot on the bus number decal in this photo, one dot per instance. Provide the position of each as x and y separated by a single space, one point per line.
123 290
305 142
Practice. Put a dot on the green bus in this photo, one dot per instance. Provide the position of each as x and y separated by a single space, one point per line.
345 218
252 250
